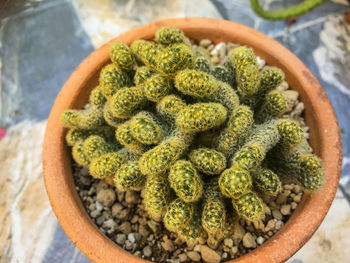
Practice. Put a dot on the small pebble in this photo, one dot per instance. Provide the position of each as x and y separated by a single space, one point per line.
120 239
95 213
270 225
197 248
209 255
147 251
285 209
132 197
194 256
143 230
277 214
120 196
215 59
116 209
297 198
212 242
294 205
205 43
98 205
249 241
224 255
110 223
124 214
238 234
234 250
279 225
182 257
106 197
228 242
137 253
131 237
128 245
125 227
168 245
260 240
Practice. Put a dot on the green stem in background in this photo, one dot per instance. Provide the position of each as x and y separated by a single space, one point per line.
285 13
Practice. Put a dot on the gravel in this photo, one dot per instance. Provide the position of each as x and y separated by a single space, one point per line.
121 215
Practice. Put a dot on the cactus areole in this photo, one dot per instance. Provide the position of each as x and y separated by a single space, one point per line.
141 126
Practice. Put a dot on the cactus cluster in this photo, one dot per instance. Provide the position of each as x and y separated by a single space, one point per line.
145 125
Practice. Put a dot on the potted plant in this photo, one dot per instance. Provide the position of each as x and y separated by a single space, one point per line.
324 138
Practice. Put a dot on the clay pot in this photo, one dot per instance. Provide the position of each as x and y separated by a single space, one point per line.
319 115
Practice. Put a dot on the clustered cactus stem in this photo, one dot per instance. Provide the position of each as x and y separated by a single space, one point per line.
203 142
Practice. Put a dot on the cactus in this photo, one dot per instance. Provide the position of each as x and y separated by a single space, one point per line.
169 35
76 135
169 107
270 78
142 74
202 64
97 98
192 231
285 13
126 102
177 214
124 137
249 206
96 146
78 154
200 117
109 118
146 128
290 131
106 165
160 158
121 56
112 80
129 177
185 180
238 125
157 196
234 182
208 161
156 87
86 119
146 52
195 83
174 58
223 74
266 181
246 70
312 182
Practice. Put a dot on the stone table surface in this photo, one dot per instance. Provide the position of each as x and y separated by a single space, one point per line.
43 41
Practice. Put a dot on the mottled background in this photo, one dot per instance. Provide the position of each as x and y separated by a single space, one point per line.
43 41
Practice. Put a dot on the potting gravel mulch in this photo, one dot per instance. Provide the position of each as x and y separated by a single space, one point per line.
121 216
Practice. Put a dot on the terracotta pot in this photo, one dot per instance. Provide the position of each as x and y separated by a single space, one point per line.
319 115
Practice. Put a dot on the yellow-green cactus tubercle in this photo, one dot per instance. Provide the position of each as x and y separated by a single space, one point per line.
111 80
146 51
185 181
86 119
76 135
109 118
106 165
124 137
192 231
157 195
97 98
270 78
174 58
146 128
290 131
246 70
202 64
234 182
214 216
156 87
223 74
196 83
249 156
78 154
169 107
312 182
249 206
178 213
121 56
276 103
208 161
201 117
129 177
169 35
142 74
224 95
96 146
266 181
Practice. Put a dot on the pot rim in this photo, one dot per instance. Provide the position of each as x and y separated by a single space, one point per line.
303 222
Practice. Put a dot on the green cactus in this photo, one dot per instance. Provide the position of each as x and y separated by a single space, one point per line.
126 102
146 128
266 181
224 95
112 80
174 58
177 214
270 78
214 212
86 119
285 13
200 117
192 231
157 196
195 83
124 137
249 206
157 87
97 98
129 177
238 125
185 180
78 154
109 118
230 223
290 131
160 158
234 182
202 64
169 107
312 182
74 136
169 35
142 74
121 56
95 146
106 165
246 70
208 161
276 103
223 74
146 51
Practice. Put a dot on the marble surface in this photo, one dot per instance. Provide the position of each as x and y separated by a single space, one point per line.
42 41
